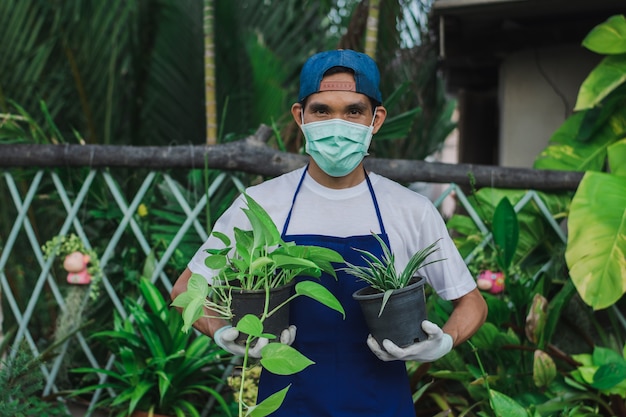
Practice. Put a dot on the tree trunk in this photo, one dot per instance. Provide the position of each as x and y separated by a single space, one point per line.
371 28
209 74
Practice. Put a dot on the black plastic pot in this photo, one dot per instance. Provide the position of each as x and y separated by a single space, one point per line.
401 319
253 302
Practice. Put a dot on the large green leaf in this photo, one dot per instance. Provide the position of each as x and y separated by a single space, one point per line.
320 294
564 152
264 230
608 37
251 325
596 250
269 405
608 75
505 232
504 405
617 158
282 359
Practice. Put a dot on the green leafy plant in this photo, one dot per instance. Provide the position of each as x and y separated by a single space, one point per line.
259 260
591 136
604 369
21 381
263 259
157 368
65 245
381 273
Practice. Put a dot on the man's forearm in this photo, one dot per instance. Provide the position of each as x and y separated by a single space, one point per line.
470 312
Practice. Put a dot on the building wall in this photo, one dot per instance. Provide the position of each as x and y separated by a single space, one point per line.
537 92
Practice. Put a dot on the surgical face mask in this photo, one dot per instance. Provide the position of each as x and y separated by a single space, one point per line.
337 146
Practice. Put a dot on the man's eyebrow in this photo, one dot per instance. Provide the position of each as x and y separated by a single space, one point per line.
357 106
319 107
314 107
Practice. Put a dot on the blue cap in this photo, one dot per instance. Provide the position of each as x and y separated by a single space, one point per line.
366 75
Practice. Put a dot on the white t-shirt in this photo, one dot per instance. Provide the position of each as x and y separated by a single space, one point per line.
411 221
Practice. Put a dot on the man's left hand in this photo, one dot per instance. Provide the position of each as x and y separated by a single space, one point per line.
436 346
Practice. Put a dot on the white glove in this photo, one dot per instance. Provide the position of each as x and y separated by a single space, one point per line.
437 345
225 337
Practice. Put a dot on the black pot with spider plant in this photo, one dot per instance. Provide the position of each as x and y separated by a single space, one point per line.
394 303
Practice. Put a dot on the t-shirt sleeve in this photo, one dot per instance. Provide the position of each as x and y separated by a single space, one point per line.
450 278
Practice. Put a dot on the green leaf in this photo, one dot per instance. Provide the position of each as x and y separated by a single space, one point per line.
565 153
263 228
320 294
558 304
608 37
603 356
596 249
607 76
505 233
269 405
222 237
505 406
198 286
250 324
192 301
215 261
398 126
596 117
291 262
258 264
609 375
617 158
153 297
282 359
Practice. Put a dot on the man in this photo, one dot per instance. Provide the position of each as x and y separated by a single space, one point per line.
334 202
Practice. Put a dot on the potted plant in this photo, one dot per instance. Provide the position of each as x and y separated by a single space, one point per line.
81 264
259 263
157 369
393 303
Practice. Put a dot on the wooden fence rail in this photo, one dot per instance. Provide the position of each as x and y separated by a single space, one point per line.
253 155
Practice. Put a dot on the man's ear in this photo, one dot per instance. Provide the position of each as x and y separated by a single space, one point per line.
296 112
379 118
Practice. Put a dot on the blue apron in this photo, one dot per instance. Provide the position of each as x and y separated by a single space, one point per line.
346 379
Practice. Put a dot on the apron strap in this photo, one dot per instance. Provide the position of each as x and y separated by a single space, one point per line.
369 186
293 201
380 218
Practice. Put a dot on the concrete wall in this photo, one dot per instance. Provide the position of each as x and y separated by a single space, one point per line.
537 92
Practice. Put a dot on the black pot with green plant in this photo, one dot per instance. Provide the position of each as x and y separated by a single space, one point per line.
259 261
157 368
393 304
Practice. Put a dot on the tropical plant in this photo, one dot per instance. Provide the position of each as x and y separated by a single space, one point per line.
157 368
596 248
604 369
21 381
261 261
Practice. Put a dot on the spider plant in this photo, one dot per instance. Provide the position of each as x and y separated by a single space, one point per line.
382 274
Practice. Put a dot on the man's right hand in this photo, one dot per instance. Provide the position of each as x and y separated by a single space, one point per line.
225 338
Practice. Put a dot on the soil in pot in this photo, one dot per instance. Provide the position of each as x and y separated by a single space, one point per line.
401 319
253 302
